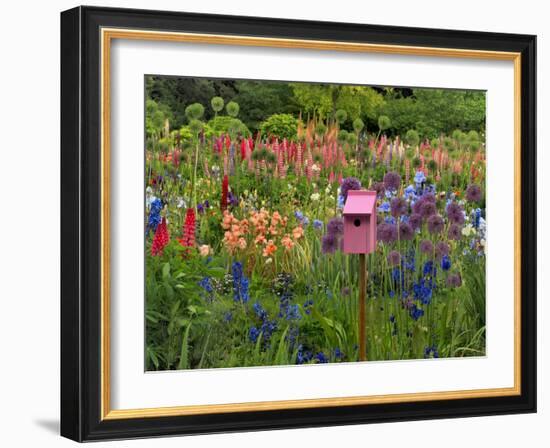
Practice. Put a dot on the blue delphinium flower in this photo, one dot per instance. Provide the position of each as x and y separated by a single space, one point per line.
338 354
384 207
302 356
305 221
419 177
410 192
431 352
445 263
429 269
293 312
415 312
340 201
228 316
307 306
321 358
299 215
240 283
206 284
253 334
154 215
317 224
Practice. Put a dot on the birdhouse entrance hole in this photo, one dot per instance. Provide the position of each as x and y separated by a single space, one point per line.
357 222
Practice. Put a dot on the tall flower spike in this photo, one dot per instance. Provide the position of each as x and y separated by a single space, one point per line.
161 239
225 189
188 237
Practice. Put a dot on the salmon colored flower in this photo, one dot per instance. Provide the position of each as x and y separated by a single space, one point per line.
269 249
298 232
287 242
205 250
260 239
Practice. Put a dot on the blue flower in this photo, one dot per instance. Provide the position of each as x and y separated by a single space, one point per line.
340 201
303 356
445 263
419 177
253 334
338 353
317 224
206 284
154 215
431 351
410 192
429 269
240 283
384 207
299 215
305 221
321 358
415 312
228 317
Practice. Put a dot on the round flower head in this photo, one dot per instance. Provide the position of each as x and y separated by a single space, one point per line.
335 227
428 209
387 232
441 249
454 280
415 221
329 243
398 207
394 258
455 232
349 183
455 213
406 232
435 224
392 181
379 188
426 247
473 193
445 263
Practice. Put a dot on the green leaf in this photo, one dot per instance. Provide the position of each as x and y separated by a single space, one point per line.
183 364
165 270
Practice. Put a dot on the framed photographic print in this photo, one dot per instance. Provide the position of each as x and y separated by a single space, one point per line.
274 223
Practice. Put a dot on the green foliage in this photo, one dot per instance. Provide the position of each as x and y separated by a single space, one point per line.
280 125
195 126
228 125
155 117
232 109
217 103
432 112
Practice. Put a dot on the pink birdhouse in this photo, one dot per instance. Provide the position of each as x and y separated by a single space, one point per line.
360 222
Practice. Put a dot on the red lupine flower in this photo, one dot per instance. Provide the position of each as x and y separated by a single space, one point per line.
225 188
161 238
188 238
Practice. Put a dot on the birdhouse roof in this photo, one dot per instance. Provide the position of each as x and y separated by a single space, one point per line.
360 202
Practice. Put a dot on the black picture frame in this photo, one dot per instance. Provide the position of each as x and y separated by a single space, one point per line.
81 224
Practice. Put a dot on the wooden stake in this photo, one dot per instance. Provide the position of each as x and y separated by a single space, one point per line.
362 306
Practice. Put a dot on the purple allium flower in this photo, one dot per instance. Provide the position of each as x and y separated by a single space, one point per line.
441 249
329 243
455 213
435 224
428 209
394 258
398 207
426 247
454 280
406 232
455 232
379 188
415 221
473 193
392 181
387 232
349 183
335 227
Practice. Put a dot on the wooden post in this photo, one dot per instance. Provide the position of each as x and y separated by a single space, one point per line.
362 306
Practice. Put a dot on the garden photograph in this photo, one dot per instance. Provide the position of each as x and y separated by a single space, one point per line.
292 223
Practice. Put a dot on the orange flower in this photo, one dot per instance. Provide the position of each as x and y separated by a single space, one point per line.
242 243
269 249
298 232
287 242
260 239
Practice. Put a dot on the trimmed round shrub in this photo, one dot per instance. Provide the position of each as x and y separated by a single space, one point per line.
280 125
